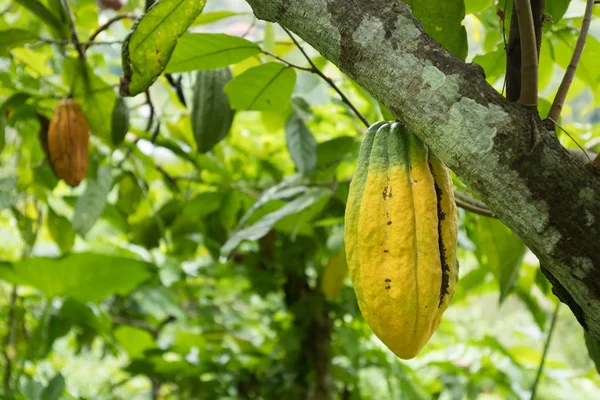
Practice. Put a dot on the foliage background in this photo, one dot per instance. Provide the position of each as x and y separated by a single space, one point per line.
120 288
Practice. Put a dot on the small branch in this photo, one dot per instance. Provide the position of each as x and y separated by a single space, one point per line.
43 41
289 64
545 352
529 57
176 84
78 46
105 26
474 209
329 81
569 135
151 105
563 89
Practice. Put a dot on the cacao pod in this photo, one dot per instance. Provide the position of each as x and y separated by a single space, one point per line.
68 139
400 236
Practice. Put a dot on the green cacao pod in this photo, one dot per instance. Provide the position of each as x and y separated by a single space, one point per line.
68 138
212 115
400 237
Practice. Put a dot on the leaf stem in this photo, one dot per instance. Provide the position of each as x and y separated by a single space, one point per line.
563 89
78 46
529 58
313 68
545 352
105 26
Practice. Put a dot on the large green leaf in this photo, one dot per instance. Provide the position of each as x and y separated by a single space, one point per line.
264 225
83 276
500 251
58 27
556 8
474 6
209 51
90 204
61 231
301 144
148 47
211 114
96 97
14 37
442 20
266 87
134 340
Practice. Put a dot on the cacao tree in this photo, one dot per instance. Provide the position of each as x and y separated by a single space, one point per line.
176 204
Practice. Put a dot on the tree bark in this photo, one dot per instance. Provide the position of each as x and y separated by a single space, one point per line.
500 149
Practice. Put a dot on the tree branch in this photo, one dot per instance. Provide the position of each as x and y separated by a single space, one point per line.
513 47
499 149
74 36
563 89
529 54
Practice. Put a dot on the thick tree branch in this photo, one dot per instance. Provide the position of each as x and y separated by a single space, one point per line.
513 48
563 89
500 149
529 54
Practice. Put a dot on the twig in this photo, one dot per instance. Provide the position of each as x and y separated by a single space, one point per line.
474 209
563 89
545 352
151 105
9 342
250 27
105 26
289 64
43 41
529 58
78 46
176 84
329 81
571 137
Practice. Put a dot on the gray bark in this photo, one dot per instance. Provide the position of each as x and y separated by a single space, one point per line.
500 149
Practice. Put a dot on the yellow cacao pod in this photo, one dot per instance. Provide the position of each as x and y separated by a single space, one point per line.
68 139
400 237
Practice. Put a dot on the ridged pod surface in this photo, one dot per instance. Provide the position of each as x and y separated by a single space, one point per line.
400 237
68 139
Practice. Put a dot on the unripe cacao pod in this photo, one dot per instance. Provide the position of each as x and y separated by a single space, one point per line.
400 237
68 138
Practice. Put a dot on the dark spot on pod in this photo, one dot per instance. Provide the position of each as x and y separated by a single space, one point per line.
388 280
386 251
389 222
388 287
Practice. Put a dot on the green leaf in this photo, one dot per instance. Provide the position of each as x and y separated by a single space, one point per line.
209 51
210 17
475 6
55 388
130 194
97 98
61 231
120 121
134 340
537 312
2 132
556 8
264 225
87 315
49 18
232 204
500 251
148 47
442 20
11 38
211 114
90 204
269 38
83 276
8 192
266 87
301 144
334 150
593 345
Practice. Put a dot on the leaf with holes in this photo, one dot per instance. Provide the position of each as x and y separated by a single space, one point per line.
148 47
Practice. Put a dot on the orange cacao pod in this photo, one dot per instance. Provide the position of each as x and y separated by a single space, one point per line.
68 139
